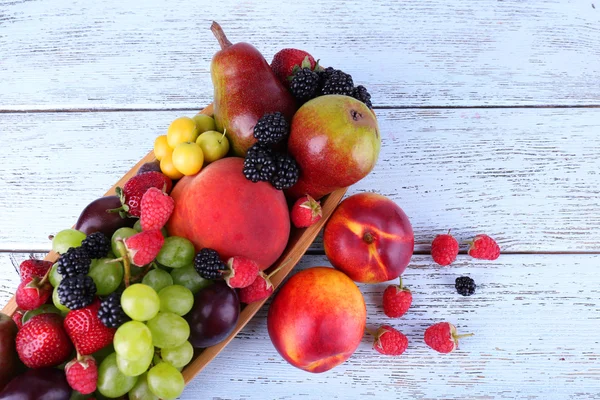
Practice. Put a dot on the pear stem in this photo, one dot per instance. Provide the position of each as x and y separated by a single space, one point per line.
220 35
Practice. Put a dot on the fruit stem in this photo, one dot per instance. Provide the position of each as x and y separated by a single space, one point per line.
126 265
276 270
145 272
220 35
456 337
401 287
371 332
222 136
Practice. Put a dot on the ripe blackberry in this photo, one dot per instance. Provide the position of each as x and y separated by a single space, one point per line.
96 245
271 128
360 93
259 164
76 292
465 285
324 74
76 261
305 84
287 172
208 264
111 313
338 82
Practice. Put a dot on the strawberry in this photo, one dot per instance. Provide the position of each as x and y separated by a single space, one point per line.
442 337
33 267
156 208
86 331
444 249
242 272
484 247
142 248
18 318
396 300
285 60
305 212
133 190
82 374
389 341
43 342
33 292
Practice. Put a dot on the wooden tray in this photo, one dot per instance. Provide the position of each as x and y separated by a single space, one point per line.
300 240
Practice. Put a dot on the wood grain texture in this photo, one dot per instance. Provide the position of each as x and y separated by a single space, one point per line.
62 54
535 324
528 177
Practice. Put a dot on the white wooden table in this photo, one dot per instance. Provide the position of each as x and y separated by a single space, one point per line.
490 118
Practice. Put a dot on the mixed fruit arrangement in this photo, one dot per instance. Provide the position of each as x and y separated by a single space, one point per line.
149 277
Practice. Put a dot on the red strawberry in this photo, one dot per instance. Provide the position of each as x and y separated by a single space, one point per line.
285 60
305 212
86 331
33 267
442 337
389 341
18 318
396 300
444 249
133 190
43 342
82 374
242 272
143 247
33 292
484 247
156 209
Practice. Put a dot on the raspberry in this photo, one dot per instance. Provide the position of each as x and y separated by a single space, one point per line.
484 247
208 264
465 285
287 172
444 249
442 337
242 272
304 85
96 245
305 212
111 313
396 300
82 374
360 93
389 341
76 292
76 261
271 128
259 164
133 190
142 248
156 209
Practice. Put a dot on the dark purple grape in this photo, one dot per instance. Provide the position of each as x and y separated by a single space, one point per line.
214 315
150 166
96 217
38 384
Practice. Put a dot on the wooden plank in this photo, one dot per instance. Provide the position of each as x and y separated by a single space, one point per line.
529 177
534 317
62 54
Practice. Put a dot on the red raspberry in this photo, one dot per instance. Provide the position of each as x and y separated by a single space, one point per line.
32 293
133 190
305 212
442 337
444 249
260 289
156 209
484 247
82 374
396 300
33 267
142 248
242 272
389 341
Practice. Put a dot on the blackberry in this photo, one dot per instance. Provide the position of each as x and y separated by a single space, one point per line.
360 93
96 245
208 264
325 74
287 173
305 84
465 285
111 313
75 292
338 82
259 164
271 128
76 261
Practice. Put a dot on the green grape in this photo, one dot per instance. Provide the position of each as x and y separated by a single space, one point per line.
138 227
168 330
179 356
157 279
43 309
121 233
140 302
101 354
176 299
54 276
176 252
56 301
141 391
112 382
135 367
66 239
75 395
165 381
107 275
133 340
188 277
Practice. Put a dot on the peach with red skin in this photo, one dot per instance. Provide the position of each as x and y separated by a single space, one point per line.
220 209
369 238
317 319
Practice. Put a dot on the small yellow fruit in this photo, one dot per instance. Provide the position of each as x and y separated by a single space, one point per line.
214 145
204 123
161 147
188 158
181 130
167 167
